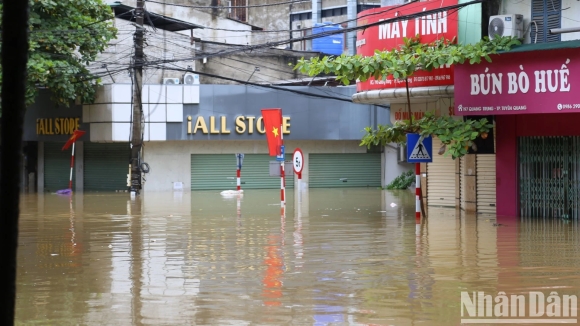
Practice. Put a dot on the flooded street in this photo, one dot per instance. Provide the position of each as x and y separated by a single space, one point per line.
340 257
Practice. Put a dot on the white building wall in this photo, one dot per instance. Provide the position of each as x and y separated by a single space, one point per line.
570 16
230 31
170 161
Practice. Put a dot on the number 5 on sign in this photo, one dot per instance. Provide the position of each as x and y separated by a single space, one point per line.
298 162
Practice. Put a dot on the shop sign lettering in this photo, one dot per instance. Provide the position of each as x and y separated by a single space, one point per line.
241 125
519 83
56 126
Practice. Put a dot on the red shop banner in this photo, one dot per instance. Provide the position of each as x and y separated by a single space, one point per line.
520 83
389 36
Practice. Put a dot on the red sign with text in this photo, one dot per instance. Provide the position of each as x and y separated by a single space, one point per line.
520 83
388 36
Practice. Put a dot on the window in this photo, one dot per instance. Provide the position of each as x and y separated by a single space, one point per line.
240 14
546 14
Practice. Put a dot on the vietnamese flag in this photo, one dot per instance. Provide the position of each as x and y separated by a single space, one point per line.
76 135
272 119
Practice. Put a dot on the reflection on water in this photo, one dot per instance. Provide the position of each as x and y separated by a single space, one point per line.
336 256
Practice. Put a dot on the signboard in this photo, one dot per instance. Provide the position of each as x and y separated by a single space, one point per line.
520 83
390 35
239 160
280 157
419 149
298 161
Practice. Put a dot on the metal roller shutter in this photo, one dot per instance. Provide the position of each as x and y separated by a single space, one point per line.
218 172
462 182
485 183
106 166
440 179
344 170
56 167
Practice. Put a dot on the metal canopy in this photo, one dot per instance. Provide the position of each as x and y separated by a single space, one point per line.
152 19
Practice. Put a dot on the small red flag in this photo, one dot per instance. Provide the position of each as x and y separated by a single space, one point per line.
76 135
273 126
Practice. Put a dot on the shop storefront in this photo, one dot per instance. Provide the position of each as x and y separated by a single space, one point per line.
533 93
192 133
197 151
428 91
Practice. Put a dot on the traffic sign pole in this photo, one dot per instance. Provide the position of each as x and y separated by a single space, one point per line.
238 175
282 177
418 193
298 165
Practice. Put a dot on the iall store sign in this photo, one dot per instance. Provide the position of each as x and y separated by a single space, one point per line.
520 83
390 35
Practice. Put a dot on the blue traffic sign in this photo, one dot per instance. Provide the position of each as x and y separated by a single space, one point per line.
281 156
419 149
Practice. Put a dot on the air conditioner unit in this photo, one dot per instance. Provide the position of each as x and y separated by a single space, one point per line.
506 25
191 79
170 81
401 153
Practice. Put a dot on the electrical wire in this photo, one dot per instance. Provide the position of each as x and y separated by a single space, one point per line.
226 7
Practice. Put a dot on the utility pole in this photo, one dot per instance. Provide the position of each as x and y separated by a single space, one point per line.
136 133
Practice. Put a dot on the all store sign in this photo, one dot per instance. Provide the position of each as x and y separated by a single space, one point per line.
519 83
220 125
389 36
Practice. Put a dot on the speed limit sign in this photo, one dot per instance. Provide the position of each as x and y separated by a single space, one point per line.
298 162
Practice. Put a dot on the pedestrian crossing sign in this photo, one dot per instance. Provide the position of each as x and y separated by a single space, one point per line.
419 149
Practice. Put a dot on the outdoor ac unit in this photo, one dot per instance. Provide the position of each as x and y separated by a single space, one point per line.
191 79
170 81
401 153
506 25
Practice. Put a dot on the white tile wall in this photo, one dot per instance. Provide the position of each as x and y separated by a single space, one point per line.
121 112
175 112
157 94
190 94
121 131
174 93
157 113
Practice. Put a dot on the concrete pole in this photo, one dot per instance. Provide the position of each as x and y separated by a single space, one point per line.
351 11
136 139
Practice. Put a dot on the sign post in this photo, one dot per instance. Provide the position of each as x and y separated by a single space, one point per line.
282 176
240 161
298 164
419 150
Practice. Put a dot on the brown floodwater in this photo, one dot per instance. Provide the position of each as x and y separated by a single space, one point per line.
334 257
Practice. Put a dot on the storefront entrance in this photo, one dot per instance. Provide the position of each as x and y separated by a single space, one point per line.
549 176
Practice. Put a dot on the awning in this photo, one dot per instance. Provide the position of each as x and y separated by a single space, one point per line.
399 95
545 46
152 19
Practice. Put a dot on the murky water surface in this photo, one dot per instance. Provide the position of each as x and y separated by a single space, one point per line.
339 257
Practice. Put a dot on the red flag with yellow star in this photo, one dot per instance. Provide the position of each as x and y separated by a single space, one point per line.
76 135
272 125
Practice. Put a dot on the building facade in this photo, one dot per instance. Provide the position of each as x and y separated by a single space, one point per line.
192 133
531 94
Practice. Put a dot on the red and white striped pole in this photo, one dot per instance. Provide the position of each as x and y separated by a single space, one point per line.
418 193
282 176
72 163
238 175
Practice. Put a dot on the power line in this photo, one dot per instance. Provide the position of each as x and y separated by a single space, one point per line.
323 34
226 7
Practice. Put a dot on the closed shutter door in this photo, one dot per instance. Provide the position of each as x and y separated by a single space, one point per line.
462 181
218 172
344 170
56 167
106 166
485 183
440 179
